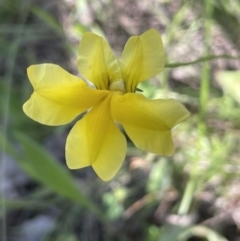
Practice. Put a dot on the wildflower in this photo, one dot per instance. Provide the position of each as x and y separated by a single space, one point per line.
108 93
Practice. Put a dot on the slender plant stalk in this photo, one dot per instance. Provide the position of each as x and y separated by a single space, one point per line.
204 95
200 60
205 78
169 36
187 197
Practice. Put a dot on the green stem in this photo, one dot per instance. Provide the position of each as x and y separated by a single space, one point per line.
187 197
200 60
205 78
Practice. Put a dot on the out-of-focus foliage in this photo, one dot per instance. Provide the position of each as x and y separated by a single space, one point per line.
230 82
193 195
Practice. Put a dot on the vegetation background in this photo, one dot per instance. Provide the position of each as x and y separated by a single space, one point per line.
193 195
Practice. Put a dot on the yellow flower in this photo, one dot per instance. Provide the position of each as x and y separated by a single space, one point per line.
109 95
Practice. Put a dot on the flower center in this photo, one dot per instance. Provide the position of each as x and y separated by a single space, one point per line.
118 85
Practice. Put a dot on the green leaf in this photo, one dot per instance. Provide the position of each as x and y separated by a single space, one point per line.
40 165
230 83
44 168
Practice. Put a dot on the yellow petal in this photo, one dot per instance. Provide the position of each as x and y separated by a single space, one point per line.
58 96
96 61
156 141
148 122
142 58
95 140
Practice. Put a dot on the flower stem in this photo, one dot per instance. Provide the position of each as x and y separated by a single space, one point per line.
205 78
187 197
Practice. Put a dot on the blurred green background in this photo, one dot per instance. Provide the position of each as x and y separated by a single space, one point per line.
193 195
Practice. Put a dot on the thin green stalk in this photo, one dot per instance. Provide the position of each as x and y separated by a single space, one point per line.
200 60
205 78
169 36
176 21
204 96
187 197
